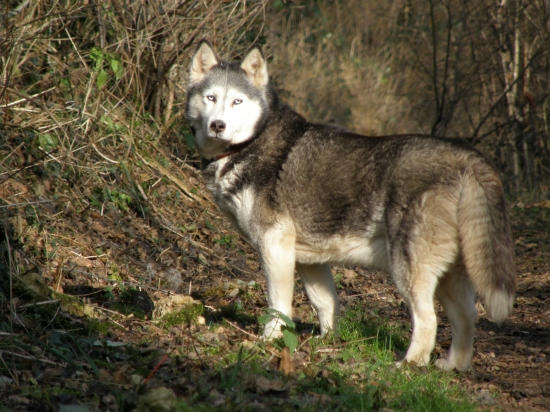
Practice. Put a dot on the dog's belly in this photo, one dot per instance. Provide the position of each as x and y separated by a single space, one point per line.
368 251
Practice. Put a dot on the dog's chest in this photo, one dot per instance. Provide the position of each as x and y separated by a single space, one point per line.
233 195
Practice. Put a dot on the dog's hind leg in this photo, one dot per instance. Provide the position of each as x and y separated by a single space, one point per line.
320 289
423 245
457 296
419 295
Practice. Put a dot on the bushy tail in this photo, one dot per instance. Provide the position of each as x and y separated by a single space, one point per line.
486 241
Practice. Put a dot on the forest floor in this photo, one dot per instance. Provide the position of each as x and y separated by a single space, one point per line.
101 263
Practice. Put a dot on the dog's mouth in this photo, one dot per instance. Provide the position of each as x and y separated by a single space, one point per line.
217 136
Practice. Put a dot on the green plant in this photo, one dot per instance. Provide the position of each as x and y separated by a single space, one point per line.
99 57
119 199
338 280
229 382
186 315
47 141
108 293
288 327
225 240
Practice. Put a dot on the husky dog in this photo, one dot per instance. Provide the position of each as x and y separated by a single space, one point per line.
430 211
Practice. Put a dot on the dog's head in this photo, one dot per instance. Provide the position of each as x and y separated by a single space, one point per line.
226 101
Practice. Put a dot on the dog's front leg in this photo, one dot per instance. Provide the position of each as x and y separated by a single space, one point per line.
277 256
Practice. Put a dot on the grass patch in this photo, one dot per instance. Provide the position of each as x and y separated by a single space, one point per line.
353 372
186 315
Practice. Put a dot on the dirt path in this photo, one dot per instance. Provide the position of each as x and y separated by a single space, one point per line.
514 358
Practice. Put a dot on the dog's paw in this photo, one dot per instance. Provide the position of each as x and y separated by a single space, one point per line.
406 363
448 365
272 330
444 364
421 363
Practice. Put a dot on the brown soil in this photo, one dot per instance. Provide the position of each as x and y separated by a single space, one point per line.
93 248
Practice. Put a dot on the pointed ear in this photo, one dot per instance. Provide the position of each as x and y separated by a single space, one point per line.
255 66
203 60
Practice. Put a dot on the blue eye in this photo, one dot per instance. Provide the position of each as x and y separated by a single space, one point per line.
237 101
211 97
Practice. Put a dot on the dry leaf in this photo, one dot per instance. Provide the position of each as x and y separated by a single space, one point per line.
264 385
286 365
320 397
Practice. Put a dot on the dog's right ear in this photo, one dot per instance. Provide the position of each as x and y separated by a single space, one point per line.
203 60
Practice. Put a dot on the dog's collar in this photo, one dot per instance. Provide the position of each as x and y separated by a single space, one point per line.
233 149
225 154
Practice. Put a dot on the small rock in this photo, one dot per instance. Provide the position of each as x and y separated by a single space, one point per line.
136 379
485 398
18 400
4 380
169 304
264 385
110 402
248 344
158 400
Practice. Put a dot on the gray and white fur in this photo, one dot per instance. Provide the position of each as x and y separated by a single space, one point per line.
429 211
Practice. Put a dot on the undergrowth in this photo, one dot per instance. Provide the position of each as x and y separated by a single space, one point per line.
355 372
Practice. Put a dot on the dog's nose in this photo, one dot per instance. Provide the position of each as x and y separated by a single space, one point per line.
217 126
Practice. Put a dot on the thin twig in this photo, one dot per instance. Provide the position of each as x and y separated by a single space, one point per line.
13 376
12 152
159 364
163 171
99 308
355 341
242 330
122 282
26 203
46 302
103 156
17 355
25 99
186 44
27 165
303 343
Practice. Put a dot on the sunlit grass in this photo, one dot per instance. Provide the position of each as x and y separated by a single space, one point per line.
358 372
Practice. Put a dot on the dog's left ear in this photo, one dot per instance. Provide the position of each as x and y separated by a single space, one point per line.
255 66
